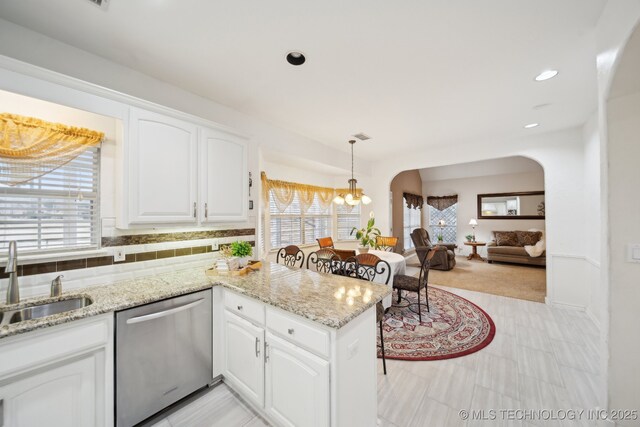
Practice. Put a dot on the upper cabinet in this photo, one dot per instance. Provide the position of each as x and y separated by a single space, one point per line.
224 176
178 173
162 167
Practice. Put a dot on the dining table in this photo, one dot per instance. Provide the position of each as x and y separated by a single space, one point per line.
398 266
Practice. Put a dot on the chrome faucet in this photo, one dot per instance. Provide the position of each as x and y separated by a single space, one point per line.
13 291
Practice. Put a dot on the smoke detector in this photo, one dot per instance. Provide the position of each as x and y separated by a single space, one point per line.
362 136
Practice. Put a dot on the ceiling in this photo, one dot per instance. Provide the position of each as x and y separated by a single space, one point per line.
506 165
410 74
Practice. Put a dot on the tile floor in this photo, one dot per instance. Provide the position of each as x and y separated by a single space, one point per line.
541 358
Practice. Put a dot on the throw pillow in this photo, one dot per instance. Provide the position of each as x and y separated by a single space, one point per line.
506 238
528 238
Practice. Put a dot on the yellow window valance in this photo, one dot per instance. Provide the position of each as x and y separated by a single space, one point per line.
30 147
285 191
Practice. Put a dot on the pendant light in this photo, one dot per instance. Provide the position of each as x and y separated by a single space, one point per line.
352 198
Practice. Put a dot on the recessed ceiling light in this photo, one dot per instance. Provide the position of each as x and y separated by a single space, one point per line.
531 125
295 58
546 75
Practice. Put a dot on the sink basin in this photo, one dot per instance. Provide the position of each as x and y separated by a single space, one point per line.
43 310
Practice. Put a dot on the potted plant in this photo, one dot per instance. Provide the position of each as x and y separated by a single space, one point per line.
243 251
366 235
469 237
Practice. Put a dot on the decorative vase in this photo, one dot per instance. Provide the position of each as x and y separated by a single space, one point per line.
363 249
243 261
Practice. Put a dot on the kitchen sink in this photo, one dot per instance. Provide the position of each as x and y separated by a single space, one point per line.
43 310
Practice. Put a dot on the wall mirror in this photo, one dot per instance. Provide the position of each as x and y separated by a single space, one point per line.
520 205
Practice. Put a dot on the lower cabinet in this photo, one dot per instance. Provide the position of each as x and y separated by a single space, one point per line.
244 360
60 396
296 372
58 376
297 385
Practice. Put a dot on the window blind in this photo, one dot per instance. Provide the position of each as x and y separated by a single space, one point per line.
347 220
411 221
58 211
294 227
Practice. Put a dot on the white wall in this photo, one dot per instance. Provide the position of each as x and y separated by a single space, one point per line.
624 212
467 190
593 219
616 23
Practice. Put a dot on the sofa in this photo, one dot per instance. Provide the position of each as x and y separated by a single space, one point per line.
508 246
444 259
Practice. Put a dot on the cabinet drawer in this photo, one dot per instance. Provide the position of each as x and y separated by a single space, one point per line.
299 332
244 306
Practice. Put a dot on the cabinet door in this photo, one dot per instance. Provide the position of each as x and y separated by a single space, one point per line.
224 176
162 169
297 385
244 363
60 396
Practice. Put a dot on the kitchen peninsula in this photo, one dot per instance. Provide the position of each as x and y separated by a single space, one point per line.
299 346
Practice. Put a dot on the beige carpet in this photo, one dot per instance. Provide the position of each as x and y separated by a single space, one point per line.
508 280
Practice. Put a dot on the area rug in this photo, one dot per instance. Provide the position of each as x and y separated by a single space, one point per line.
507 280
453 327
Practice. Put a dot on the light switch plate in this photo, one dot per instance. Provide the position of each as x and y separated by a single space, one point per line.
633 252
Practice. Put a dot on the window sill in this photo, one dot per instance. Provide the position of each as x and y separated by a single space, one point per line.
34 258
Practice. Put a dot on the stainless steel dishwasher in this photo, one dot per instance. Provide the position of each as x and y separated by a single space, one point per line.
163 353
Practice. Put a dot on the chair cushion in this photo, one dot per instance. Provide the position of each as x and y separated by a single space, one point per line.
506 238
508 250
528 238
406 283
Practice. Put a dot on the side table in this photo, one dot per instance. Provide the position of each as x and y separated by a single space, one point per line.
474 246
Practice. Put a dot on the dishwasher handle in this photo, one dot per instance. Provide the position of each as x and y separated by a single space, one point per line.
164 313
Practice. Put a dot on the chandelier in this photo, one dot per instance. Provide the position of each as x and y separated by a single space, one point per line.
353 197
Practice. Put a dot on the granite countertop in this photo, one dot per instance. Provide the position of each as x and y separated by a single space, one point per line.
323 298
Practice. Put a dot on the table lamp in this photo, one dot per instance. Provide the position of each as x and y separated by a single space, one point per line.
473 224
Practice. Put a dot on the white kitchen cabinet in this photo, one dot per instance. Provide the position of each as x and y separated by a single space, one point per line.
297 385
244 363
161 169
174 172
224 177
55 396
59 376
313 375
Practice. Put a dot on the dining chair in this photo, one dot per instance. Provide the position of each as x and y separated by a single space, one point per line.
370 266
290 255
325 242
402 282
386 243
344 253
324 260
347 267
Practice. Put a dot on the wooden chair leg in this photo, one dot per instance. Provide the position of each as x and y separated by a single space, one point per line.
419 309
399 296
384 362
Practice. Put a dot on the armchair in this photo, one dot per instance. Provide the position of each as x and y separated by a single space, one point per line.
444 258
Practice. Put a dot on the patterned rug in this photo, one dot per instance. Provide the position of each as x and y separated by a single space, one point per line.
454 327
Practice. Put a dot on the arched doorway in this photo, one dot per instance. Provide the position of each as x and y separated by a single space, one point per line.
515 270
